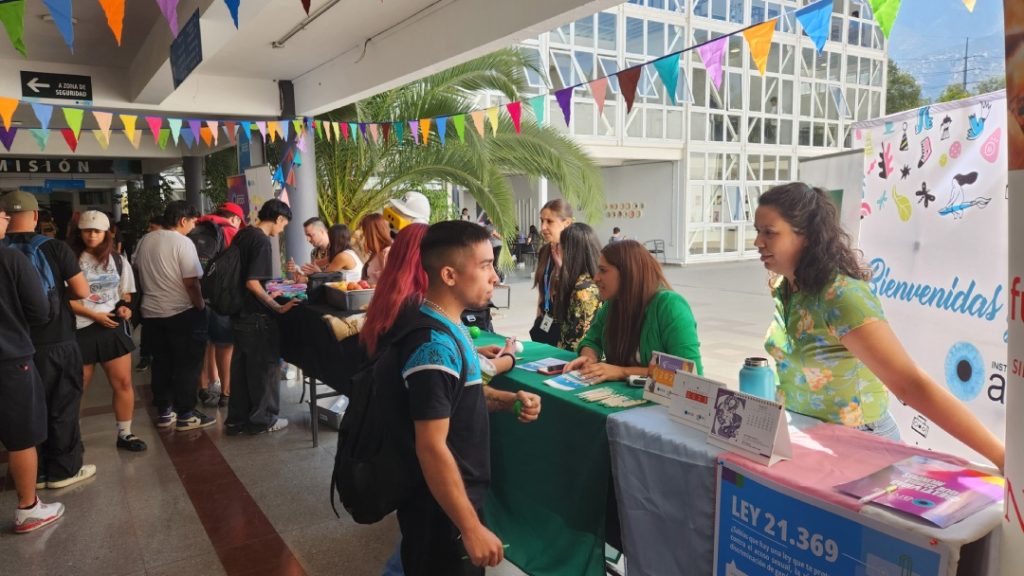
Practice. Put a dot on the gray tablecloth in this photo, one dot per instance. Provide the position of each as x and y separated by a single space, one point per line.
664 475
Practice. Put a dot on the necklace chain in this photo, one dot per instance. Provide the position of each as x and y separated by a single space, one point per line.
439 310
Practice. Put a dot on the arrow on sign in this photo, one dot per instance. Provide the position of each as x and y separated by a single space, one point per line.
35 84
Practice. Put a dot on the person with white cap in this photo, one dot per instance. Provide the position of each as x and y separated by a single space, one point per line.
103 320
414 208
57 357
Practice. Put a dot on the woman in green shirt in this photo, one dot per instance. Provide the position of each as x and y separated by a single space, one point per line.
641 315
836 357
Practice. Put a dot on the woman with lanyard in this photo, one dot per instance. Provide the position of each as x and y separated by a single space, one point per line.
555 216
836 357
103 330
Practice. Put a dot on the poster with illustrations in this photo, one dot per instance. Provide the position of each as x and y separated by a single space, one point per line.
934 227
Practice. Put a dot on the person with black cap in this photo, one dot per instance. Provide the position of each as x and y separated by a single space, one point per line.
57 357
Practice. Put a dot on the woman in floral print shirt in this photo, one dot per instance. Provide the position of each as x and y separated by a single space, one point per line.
576 299
836 356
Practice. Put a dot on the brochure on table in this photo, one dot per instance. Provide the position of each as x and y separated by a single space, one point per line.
663 376
751 427
538 364
568 381
693 400
937 491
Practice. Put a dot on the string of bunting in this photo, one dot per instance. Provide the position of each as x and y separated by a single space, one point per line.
12 16
815 21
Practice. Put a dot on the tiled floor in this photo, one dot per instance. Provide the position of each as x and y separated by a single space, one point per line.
200 503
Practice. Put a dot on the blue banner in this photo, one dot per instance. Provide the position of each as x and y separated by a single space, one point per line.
764 531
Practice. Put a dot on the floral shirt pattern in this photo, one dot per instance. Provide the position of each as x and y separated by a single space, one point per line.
816 374
583 304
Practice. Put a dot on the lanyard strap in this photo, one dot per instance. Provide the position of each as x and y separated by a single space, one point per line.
547 287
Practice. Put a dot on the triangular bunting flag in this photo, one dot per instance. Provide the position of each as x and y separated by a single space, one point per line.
300 142
285 129
374 134
319 126
340 130
970 5
362 130
7 136
12 16
193 126
262 127
478 121
460 126
492 115
425 130
245 129
564 98
273 130
537 103
628 80
233 9
289 181
328 131
353 129
386 130
712 53
155 123
60 11
414 127
668 71
885 13
207 135
278 175
114 10
297 127
599 89
175 125
760 40
169 8
73 116
297 161
515 112
188 136
231 128
442 128
305 6
165 135
43 113
70 138
214 129
7 108
128 121
103 120
136 139
42 135
816 20
102 139
399 132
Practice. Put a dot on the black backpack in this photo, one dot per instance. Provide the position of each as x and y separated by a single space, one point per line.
33 251
209 240
372 470
222 282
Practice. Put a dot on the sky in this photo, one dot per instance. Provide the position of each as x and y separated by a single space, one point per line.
927 40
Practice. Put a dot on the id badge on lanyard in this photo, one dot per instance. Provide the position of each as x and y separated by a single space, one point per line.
545 324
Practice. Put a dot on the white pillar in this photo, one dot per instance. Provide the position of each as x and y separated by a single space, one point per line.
303 199
1012 548
542 192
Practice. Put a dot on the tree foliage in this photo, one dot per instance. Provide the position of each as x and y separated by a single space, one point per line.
953 92
991 84
902 92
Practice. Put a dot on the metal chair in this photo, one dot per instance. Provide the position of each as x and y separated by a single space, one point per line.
656 247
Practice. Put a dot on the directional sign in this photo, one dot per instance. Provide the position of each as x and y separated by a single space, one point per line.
58 86
186 50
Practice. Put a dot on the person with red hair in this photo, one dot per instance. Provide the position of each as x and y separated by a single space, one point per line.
402 282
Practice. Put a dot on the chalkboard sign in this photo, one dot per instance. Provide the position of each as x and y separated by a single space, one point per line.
186 50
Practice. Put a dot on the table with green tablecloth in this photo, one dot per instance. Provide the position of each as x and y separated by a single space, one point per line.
551 491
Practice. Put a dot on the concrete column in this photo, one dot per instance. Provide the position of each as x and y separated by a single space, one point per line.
150 180
304 205
542 192
192 166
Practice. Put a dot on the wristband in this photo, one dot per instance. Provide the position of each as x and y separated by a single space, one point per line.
512 356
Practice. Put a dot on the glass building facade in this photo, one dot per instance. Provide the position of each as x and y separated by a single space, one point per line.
728 145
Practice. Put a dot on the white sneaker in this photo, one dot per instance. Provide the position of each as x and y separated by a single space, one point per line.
37 516
84 473
280 424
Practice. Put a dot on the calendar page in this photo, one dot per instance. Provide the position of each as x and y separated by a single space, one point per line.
751 426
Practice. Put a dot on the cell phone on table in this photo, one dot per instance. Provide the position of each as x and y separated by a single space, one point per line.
553 369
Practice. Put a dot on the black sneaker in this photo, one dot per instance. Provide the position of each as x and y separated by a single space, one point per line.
234 429
131 443
224 400
194 420
205 396
144 364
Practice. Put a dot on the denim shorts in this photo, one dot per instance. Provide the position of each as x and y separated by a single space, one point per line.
219 329
885 427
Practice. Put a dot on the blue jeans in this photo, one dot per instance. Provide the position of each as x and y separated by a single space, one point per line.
394 565
885 427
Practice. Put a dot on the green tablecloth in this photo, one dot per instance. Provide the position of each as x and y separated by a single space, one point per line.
551 479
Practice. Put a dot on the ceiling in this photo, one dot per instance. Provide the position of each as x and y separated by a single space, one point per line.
354 49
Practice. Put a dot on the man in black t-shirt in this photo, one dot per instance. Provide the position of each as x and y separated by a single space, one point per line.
445 423
255 369
57 357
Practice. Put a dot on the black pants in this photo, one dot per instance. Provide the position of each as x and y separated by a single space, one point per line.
255 373
22 405
431 544
145 348
178 345
60 369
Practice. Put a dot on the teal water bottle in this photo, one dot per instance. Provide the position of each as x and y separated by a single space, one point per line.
757 378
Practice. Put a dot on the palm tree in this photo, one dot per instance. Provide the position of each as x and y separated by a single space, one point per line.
356 179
